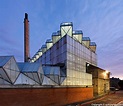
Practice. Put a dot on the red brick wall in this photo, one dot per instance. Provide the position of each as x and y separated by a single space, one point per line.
43 97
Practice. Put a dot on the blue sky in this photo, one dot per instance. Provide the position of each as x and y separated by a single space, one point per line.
101 20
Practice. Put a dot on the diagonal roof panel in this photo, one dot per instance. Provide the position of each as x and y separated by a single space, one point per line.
4 60
30 67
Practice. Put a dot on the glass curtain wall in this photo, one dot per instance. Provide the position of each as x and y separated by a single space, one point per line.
57 54
77 56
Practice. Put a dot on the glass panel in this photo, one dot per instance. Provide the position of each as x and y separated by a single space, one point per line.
47 81
3 82
56 79
41 77
52 77
30 75
3 75
36 77
66 30
8 71
22 79
62 79
13 76
4 60
62 73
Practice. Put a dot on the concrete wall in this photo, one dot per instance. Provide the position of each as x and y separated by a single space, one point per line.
103 86
43 96
101 80
100 86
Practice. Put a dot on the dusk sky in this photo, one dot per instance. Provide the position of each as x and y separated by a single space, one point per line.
101 20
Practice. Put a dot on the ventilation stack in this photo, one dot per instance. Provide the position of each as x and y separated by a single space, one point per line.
26 39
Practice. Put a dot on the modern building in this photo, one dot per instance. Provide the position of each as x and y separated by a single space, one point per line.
61 61
69 48
64 70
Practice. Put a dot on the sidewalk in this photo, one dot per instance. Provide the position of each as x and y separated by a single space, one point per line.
108 99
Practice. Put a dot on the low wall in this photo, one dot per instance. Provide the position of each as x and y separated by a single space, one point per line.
44 96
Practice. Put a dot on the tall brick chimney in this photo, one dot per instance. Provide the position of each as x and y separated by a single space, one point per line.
26 39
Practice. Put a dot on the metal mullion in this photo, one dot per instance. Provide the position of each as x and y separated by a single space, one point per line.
39 78
59 79
17 77
69 29
64 31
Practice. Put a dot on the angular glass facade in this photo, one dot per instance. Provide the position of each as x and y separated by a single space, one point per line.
60 61
74 51
53 75
12 73
9 70
74 55
77 57
31 73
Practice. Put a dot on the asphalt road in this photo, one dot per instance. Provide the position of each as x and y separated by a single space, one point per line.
107 100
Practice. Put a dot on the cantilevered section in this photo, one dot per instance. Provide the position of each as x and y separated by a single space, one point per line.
26 39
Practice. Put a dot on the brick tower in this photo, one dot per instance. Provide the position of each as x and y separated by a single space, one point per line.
26 39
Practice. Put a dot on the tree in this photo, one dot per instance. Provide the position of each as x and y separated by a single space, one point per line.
120 83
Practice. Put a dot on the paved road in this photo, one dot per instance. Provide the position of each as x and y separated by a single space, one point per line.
121 102
108 100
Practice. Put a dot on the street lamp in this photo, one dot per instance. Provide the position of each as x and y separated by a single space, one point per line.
87 65
105 73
